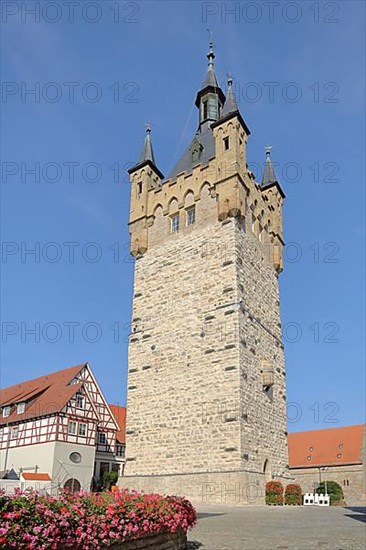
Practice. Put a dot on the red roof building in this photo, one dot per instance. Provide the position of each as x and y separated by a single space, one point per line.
61 425
332 454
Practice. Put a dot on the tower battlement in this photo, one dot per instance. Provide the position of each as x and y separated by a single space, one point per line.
230 183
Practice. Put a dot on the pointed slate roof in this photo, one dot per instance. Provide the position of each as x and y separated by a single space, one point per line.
269 175
205 143
147 152
147 155
230 105
231 108
210 82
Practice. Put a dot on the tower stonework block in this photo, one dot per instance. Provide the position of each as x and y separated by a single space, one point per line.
206 410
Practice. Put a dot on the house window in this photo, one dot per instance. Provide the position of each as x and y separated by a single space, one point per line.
14 432
80 401
120 451
72 428
102 438
226 143
82 429
191 215
21 407
75 457
6 411
174 220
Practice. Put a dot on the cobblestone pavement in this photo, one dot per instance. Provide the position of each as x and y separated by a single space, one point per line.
279 528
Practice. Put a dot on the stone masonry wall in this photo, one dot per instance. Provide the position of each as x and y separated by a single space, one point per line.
263 413
204 299
178 377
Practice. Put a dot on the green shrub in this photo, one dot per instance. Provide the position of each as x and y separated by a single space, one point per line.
293 494
109 479
334 491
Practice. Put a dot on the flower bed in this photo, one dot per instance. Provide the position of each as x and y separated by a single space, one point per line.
85 521
293 494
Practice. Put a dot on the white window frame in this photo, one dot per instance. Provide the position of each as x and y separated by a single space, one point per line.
72 423
191 215
21 407
84 426
6 411
14 432
174 223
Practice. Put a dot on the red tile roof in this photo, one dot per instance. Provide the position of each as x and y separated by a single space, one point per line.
46 394
120 415
29 476
329 447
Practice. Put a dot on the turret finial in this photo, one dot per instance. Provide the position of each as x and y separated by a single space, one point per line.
211 53
230 79
268 150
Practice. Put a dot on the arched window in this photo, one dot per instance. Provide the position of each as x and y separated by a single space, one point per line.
72 485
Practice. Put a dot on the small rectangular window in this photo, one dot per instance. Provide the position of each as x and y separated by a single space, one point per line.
21 407
174 220
226 143
82 429
14 433
102 439
80 401
205 110
120 450
72 428
6 411
191 215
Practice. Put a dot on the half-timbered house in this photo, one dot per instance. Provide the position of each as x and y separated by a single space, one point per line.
61 425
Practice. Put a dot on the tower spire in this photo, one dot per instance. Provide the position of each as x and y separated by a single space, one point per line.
147 152
210 76
210 97
230 105
147 155
269 174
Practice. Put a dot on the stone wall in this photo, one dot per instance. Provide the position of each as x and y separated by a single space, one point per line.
350 478
235 488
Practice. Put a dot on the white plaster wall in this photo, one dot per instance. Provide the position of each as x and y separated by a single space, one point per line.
64 469
28 457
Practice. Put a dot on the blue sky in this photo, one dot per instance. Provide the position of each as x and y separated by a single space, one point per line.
300 82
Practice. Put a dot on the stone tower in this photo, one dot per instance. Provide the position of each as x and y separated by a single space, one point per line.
206 382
